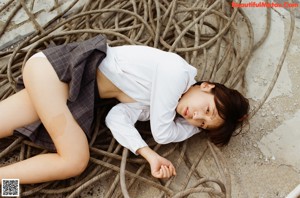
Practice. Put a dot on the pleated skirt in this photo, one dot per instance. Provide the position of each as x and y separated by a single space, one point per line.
75 64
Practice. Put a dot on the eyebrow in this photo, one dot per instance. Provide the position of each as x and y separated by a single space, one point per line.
214 113
208 127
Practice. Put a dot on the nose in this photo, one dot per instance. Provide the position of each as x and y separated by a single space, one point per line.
197 115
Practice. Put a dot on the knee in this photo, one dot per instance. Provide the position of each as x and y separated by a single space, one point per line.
77 163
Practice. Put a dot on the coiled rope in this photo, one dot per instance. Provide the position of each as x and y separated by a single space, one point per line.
206 33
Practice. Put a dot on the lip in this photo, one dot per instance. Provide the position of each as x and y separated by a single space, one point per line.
185 113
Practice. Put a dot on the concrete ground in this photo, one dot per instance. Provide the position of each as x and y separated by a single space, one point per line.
265 161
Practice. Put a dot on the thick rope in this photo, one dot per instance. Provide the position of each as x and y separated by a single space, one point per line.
205 33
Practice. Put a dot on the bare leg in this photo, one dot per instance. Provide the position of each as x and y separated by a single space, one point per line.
16 111
49 96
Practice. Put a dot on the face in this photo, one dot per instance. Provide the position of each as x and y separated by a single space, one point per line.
198 107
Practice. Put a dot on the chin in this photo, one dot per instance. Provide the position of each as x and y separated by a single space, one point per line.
178 110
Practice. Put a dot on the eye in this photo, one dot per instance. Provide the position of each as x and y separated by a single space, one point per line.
202 124
207 110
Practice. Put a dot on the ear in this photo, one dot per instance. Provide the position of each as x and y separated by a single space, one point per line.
207 87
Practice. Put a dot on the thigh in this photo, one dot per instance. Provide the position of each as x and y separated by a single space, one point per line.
16 111
49 97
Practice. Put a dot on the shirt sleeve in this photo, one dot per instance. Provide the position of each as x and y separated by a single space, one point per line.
120 120
170 81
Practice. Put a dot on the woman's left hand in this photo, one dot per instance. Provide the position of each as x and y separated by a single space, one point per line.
160 166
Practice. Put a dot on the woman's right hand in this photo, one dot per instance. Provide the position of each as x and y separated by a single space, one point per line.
160 166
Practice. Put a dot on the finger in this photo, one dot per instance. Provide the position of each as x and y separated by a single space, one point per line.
158 174
171 170
168 173
164 171
161 172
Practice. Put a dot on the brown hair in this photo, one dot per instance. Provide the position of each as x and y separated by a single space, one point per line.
233 108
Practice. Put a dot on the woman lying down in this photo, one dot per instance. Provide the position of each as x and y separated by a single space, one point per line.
59 86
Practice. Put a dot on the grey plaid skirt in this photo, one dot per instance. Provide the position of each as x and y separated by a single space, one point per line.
75 64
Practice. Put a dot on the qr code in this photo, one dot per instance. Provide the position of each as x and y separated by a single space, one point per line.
10 187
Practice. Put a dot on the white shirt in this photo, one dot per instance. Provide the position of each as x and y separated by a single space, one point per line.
156 80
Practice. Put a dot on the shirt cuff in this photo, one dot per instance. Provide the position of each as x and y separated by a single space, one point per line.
136 146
